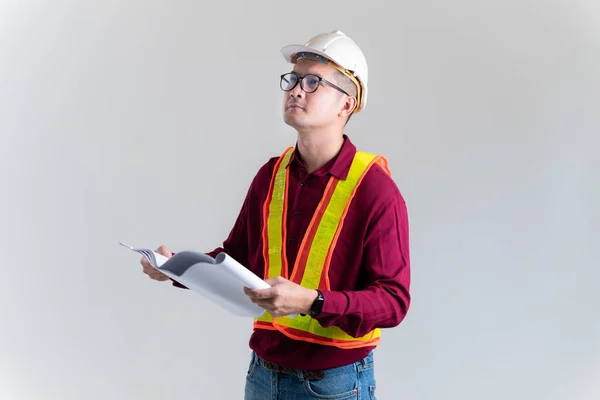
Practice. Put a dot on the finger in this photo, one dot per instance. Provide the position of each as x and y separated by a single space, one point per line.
260 293
266 304
164 251
148 269
250 293
153 273
158 276
276 281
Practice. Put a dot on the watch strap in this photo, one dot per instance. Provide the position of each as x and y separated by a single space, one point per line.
317 305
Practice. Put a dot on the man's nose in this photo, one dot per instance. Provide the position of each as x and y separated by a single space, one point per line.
297 91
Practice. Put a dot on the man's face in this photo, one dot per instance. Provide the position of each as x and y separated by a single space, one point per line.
317 109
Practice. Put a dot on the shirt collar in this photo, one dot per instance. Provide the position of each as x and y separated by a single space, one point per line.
338 166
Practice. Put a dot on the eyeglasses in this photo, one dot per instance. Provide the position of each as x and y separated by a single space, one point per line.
309 83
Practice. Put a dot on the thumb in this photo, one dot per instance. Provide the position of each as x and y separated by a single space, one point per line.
163 250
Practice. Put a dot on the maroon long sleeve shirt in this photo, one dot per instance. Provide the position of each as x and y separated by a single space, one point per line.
369 274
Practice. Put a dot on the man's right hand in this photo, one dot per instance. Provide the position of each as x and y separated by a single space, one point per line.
152 272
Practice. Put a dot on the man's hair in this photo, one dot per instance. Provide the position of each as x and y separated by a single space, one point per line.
345 83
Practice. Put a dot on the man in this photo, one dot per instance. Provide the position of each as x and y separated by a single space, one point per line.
327 227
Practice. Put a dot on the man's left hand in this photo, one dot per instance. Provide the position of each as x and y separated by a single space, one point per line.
284 297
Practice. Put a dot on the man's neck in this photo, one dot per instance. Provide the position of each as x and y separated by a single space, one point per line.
317 148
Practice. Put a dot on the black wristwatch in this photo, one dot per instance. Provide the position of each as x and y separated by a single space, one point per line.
317 305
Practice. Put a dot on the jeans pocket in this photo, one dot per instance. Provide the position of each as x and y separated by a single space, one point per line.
252 365
333 387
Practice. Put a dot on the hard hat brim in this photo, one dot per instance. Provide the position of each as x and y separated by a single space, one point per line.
289 52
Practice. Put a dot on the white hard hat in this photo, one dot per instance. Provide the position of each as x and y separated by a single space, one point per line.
340 50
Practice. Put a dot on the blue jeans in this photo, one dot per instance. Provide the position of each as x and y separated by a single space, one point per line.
352 381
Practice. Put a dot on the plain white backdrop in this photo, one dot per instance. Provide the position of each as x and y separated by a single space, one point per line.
145 121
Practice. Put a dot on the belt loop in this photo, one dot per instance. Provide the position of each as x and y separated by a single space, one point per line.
363 362
300 375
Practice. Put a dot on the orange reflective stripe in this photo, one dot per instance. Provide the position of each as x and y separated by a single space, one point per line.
383 163
264 325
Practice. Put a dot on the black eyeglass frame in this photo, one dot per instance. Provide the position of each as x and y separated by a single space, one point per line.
301 81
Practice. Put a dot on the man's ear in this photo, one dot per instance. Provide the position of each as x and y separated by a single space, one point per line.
348 106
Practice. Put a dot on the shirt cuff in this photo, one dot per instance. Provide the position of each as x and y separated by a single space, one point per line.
335 304
177 284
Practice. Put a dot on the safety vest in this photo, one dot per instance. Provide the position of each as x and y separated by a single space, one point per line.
315 253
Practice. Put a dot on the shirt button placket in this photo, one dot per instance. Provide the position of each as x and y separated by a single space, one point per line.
296 213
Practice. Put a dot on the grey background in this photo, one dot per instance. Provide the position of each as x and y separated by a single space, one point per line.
145 121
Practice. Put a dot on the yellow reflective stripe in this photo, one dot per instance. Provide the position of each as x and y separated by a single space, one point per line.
274 225
276 219
313 326
265 317
331 219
